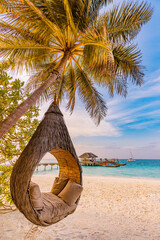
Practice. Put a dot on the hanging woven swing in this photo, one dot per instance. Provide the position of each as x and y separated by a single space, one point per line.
47 208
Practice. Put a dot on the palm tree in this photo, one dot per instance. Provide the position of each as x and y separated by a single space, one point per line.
69 48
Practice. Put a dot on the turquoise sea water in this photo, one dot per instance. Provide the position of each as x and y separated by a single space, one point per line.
149 168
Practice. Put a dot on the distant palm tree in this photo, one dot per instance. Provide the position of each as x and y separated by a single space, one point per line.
68 47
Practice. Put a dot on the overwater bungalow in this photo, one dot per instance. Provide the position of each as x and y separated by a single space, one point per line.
88 159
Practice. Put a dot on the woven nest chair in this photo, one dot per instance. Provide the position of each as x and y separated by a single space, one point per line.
47 208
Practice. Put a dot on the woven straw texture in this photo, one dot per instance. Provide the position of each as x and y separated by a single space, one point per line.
51 136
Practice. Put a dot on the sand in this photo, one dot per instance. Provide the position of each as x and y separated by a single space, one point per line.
110 208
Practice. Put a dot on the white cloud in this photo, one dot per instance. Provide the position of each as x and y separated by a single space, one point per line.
129 116
124 111
80 124
143 125
150 91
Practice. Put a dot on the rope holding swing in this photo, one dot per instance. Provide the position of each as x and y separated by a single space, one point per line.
50 136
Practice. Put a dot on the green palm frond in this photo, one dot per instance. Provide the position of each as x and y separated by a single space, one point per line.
127 66
70 20
26 53
30 17
54 27
9 5
98 56
36 36
120 86
128 63
91 98
125 21
93 7
92 37
98 60
71 86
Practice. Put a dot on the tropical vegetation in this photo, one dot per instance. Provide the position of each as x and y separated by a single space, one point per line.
69 48
13 143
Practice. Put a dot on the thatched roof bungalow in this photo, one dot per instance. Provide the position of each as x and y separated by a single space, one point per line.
89 156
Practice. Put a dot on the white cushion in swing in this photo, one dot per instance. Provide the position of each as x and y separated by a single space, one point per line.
54 207
35 196
49 206
71 193
58 185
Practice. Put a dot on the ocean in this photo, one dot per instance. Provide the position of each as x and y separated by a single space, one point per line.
141 168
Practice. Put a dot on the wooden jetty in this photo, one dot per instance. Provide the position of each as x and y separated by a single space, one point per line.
45 164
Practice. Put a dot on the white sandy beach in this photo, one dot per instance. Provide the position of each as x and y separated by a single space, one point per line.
110 208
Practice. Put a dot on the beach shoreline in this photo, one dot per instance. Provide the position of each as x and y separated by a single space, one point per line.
102 176
110 208
123 178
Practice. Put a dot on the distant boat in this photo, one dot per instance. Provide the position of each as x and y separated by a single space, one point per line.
131 159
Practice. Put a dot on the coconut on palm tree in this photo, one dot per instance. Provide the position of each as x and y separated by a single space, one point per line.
68 47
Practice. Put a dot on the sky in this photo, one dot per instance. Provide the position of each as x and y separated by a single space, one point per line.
132 123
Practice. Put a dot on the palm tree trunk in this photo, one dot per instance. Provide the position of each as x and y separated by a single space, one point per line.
24 106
